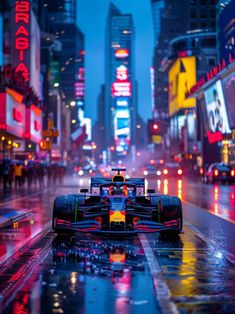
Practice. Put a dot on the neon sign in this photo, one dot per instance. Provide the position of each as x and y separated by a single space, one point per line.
22 37
214 137
121 89
122 53
122 74
17 115
211 74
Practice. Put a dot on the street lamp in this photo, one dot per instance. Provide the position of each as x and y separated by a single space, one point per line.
73 103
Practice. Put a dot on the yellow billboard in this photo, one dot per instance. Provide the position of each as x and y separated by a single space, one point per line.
182 76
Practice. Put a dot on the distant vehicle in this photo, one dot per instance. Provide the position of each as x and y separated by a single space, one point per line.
117 205
171 169
218 172
163 170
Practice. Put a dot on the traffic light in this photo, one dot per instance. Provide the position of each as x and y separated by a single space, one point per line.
153 130
45 145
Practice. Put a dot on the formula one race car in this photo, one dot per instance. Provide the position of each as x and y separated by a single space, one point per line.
120 206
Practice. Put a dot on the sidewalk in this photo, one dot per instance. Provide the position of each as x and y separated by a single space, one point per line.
9 215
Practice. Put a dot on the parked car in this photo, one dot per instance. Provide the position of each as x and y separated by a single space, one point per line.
218 172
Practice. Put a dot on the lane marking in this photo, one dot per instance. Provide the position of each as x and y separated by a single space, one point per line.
163 293
210 242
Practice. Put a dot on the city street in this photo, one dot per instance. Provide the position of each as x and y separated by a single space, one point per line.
192 272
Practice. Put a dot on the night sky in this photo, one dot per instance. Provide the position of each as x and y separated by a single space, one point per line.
91 18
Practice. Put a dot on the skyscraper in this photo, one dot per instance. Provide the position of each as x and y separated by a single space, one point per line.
120 101
157 10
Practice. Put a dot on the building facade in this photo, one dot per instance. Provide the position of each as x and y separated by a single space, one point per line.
120 93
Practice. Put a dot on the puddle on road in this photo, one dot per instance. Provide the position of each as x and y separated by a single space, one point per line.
199 276
83 274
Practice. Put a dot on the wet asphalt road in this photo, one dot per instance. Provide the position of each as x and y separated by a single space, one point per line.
193 273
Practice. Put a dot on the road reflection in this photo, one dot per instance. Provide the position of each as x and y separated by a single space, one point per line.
217 199
83 274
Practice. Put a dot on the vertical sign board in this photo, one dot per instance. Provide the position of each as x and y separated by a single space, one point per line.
33 124
35 55
25 44
21 38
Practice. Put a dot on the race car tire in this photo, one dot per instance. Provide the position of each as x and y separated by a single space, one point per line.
155 199
171 208
64 206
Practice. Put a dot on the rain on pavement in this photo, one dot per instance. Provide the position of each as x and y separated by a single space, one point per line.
87 273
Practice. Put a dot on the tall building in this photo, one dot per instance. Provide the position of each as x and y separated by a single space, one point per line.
178 18
120 94
157 10
226 29
66 70
20 80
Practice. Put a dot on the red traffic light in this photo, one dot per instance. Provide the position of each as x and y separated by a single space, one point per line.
155 126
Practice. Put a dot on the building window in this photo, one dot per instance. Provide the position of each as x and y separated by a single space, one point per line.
212 13
203 13
211 62
193 13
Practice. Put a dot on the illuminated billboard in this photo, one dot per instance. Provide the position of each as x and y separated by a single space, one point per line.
229 94
25 44
121 53
182 76
122 74
35 56
122 87
12 116
122 102
79 89
122 130
35 123
216 110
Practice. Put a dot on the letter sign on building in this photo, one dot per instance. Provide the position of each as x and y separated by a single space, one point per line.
21 38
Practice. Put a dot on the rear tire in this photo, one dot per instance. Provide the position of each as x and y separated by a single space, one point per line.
171 208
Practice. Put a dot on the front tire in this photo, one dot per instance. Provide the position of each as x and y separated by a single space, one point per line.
171 209
64 208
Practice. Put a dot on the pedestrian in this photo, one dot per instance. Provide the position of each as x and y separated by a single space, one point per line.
11 175
18 170
30 174
41 174
6 172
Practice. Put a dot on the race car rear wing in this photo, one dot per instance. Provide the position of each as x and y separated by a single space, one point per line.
97 182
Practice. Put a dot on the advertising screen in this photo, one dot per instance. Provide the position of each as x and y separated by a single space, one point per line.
182 76
35 124
122 102
35 55
229 94
12 117
216 110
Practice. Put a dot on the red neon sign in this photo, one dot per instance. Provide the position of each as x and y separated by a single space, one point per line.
37 126
214 137
22 36
122 73
17 115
